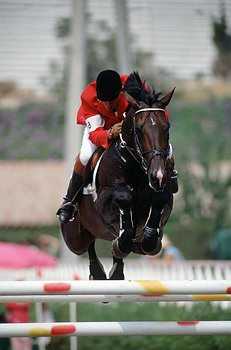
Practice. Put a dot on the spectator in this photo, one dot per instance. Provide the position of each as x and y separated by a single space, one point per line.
220 246
169 252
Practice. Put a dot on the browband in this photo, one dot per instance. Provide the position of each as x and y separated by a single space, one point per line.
149 109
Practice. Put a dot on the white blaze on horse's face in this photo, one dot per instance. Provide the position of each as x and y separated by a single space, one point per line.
160 176
153 121
155 147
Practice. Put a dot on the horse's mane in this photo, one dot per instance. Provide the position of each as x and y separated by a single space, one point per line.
140 90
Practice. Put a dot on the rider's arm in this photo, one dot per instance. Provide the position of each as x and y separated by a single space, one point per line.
97 134
100 136
89 115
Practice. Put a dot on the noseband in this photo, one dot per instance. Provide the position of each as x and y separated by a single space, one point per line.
138 149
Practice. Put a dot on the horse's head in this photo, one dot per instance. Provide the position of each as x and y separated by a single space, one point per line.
149 133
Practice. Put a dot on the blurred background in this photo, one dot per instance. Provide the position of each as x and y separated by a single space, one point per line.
50 49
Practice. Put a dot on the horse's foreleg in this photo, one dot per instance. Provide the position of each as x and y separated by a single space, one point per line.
161 208
122 245
151 243
117 270
96 268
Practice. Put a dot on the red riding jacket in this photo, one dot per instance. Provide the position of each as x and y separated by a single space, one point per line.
91 106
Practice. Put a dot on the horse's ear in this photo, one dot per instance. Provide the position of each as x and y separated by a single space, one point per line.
164 101
131 100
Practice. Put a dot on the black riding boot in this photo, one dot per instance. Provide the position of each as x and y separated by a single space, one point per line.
68 209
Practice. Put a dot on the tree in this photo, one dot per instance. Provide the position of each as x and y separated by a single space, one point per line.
222 42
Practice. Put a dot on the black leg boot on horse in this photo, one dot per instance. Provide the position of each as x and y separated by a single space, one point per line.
151 243
68 210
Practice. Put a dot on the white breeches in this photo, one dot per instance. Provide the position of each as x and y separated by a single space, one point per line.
87 148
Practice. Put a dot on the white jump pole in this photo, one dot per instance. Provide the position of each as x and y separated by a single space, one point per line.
112 298
116 328
143 287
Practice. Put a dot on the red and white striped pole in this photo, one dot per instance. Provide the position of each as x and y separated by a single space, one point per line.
115 328
139 287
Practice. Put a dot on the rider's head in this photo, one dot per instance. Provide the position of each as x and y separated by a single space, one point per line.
108 85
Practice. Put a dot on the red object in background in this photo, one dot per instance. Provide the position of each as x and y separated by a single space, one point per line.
19 256
18 312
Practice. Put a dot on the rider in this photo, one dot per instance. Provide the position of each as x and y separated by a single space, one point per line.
103 103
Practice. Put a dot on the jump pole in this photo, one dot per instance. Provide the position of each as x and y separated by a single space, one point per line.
115 328
139 287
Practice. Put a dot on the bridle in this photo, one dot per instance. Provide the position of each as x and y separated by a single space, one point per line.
137 152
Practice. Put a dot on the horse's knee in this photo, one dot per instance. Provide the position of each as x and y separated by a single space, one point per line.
122 196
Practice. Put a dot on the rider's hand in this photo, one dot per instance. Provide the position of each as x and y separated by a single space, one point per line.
115 130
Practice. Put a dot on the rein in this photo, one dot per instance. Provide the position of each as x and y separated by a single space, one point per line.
137 153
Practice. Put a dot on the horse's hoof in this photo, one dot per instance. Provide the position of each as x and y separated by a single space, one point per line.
116 251
117 271
148 245
150 240
138 248
151 248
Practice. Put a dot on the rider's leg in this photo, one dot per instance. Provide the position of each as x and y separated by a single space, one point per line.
68 209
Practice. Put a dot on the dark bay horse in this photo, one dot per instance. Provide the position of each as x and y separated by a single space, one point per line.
132 187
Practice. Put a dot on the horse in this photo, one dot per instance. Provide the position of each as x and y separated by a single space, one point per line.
130 201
